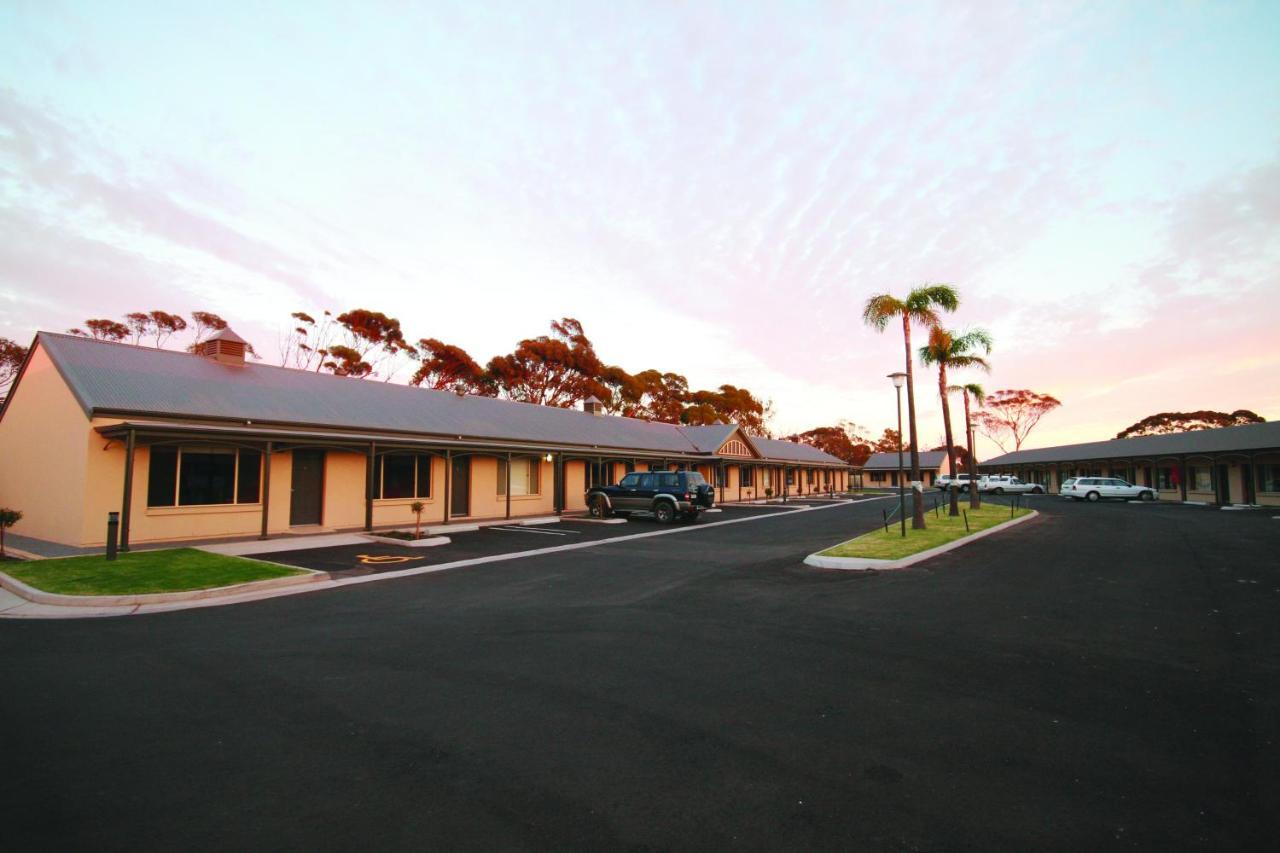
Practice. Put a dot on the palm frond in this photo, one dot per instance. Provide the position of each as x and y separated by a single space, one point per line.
880 309
974 339
975 391
930 296
968 361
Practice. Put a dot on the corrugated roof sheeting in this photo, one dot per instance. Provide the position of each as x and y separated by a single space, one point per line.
1225 440
141 380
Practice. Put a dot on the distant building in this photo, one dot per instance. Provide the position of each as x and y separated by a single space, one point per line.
881 469
1231 465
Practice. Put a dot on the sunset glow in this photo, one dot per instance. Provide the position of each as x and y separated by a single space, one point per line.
1100 183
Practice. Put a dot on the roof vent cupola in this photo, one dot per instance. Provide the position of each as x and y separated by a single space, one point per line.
223 346
593 406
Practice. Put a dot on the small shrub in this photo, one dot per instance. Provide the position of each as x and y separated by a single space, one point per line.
8 518
416 508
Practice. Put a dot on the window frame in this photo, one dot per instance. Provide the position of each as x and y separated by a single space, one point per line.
381 474
534 476
204 449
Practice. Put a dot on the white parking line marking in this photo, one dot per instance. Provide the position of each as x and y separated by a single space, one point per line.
530 530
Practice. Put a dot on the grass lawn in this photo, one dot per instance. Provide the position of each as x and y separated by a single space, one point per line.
938 531
171 570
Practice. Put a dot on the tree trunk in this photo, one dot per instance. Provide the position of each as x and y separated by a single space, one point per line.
917 497
974 500
951 445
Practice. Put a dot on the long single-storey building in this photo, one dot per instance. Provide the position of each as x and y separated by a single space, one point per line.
881 469
1232 465
202 445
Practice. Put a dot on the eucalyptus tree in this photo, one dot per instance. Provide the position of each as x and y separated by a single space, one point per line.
919 308
948 351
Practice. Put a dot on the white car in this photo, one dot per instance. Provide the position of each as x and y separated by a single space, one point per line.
1096 488
1005 484
1065 489
946 481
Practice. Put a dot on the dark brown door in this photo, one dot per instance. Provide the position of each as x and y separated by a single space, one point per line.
308 487
460 487
1224 485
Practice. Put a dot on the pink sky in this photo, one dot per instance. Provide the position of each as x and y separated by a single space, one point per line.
1102 184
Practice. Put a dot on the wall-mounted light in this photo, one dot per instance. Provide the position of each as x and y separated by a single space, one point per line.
547 457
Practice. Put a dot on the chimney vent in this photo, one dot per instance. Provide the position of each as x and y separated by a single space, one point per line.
593 406
224 346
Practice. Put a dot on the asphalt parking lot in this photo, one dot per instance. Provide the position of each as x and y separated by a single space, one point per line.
1102 677
493 540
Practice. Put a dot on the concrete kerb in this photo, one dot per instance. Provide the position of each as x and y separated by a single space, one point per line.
324 581
863 564
424 542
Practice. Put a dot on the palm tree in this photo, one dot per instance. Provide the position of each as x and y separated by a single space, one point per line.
920 307
948 351
979 396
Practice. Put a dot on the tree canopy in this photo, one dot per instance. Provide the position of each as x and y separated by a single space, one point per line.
1163 423
1009 415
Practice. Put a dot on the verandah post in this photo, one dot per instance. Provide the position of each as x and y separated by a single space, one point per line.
368 488
130 443
266 487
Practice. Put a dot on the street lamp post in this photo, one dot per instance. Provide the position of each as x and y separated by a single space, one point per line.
898 379
974 499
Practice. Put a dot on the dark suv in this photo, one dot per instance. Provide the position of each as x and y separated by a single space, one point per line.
667 494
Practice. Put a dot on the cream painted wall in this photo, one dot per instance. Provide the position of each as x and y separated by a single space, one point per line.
44 441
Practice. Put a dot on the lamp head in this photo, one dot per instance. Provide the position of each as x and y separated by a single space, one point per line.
899 379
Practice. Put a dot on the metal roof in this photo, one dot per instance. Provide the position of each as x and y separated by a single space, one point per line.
710 437
1226 439
109 377
889 461
773 448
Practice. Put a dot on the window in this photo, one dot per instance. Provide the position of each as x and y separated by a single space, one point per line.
206 476
654 466
1269 477
722 477
629 467
249 480
791 477
668 480
746 476
162 478
648 482
811 476
1201 478
878 477
203 476
630 481
403 475
525 478
1166 478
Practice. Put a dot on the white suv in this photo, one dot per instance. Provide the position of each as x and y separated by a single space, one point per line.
999 485
1097 488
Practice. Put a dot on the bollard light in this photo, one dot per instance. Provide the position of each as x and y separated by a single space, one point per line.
113 534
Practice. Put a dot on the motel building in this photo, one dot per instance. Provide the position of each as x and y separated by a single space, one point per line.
881 469
1228 466
189 446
